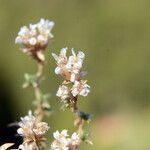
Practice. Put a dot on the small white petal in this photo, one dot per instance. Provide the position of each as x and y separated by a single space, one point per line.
24 30
73 77
81 55
20 131
64 132
32 41
73 52
18 40
58 70
32 26
55 56
56 134
63 51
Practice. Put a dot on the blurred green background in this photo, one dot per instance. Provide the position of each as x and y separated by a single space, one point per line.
115 36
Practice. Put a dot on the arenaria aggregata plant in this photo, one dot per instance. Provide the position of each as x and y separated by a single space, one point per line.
34 40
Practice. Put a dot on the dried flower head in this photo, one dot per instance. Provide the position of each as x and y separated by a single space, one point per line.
69 68
63 142
35 38
31 129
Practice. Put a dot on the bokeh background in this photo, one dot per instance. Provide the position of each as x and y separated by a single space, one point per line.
115 35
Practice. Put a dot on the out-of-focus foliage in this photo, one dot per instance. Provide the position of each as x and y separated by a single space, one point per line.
115 36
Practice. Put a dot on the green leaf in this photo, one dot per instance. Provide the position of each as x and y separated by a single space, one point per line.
30 80
85 137
46 97
85 116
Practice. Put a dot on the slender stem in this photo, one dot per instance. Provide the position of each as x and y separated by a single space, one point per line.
40 70
39 110
79 122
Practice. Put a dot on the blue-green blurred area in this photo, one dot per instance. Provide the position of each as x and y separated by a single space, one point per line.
115 36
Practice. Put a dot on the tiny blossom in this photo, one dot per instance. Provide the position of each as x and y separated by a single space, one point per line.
61 61
75 139
80 88
38 33
32 129
63 142
62 58
35 37
62 92
70 68
74 64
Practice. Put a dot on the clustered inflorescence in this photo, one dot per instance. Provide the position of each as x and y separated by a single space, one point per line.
63 142
32 130
34 40
70 68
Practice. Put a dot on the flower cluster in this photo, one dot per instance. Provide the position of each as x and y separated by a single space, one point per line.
32 130
63 142
71 69
35 38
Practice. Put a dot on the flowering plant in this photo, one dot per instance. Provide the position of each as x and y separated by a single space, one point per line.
34 40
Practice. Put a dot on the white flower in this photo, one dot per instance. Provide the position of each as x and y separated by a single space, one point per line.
80 88
35 37
63 142
75 61
30 128
23 31
62 92
70 68
45 26
59 136
75 139
61 58
74 64
61 61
